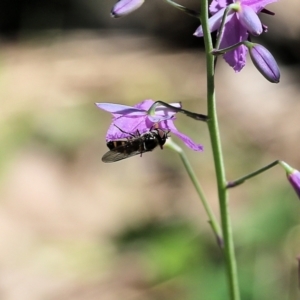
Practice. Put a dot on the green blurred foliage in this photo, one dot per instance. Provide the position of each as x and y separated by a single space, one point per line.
174 255
62 130
15 132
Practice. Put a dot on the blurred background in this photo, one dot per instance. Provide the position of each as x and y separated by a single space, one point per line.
74 228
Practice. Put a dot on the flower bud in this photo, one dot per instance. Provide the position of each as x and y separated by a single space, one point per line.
125 7
264 62
249 19
293 176
294 179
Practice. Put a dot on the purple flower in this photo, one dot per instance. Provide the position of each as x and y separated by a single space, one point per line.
141 117
241 20
264 62
125 7
294 179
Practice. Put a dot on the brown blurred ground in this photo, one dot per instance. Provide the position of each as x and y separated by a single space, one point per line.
60 205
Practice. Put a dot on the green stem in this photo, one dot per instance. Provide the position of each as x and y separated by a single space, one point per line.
224 50
184 9
218 160
195 116
241 180
222 26
287 168
212 219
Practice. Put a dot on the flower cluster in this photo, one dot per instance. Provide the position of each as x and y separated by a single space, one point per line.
240 22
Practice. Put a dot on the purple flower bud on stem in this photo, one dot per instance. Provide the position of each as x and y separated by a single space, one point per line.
249 19
264 61
125 7
294 179
293 176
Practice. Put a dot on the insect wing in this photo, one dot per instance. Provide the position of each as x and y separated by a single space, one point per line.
113 155
126 149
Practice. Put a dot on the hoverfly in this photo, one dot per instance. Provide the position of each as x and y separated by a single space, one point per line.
135 144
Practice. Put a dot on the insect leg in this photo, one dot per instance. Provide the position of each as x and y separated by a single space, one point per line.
131 134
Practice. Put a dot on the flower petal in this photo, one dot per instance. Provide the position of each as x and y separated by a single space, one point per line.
119 109
144 105
214 23
128 127
217 5
234 32
257 5
236 58
161 112
125 7
157 118
188 142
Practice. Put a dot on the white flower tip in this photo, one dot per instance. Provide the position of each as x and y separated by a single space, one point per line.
198 32
125 7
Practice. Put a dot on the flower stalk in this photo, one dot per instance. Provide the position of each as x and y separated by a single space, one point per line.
188 11
218 159
241 180
221 29
212 219
217 52
195 116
